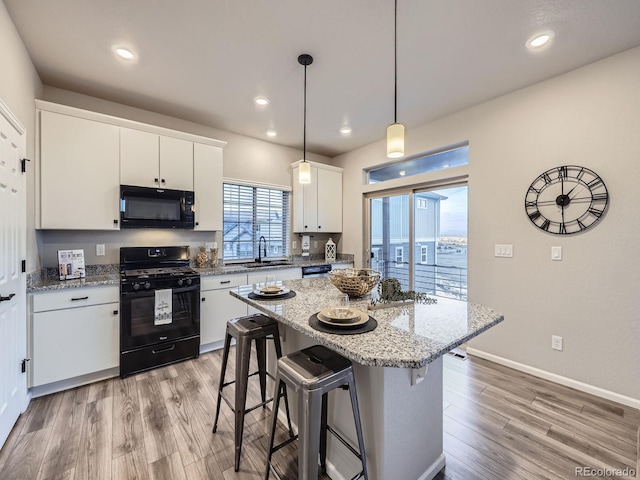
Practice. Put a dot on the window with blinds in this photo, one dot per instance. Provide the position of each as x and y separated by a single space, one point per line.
251 212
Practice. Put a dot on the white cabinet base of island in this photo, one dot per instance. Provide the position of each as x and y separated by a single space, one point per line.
401 417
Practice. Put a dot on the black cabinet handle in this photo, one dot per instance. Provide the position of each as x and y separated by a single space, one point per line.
6 299
306 226
79 298
197 223
202 299
115 222
163 181
155 180
115 312
225 281
319 227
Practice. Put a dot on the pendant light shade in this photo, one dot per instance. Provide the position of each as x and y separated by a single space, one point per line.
395 131
304 168
304 172
395 140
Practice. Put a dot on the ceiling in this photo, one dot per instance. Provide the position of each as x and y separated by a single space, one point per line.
206 60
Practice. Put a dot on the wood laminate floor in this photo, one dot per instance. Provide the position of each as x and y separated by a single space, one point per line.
499 424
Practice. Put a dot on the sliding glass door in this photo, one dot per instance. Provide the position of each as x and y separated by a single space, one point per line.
419 236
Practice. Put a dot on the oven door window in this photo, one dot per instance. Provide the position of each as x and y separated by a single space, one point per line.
138 317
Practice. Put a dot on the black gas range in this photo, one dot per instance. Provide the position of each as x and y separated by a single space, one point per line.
159 308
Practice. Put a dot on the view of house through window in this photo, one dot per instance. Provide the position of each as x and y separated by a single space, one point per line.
431 256
250 213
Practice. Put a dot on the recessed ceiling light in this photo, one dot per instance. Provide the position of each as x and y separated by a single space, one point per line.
123 52
540 40
261 101
271 133
345 131
402 173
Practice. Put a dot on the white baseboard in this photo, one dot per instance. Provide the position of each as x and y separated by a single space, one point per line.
567 382
429 474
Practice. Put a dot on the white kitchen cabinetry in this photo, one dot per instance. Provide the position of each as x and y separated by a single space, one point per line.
151 160
317 206
78 173
75 332
217 306
207 185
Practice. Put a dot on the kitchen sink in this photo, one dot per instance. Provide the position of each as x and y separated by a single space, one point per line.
266 264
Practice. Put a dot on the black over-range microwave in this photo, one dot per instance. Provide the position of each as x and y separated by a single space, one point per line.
145 207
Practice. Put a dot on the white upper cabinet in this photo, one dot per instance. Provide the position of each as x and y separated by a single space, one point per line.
151 160
317 206
139 158
83 157
78 173
207 185
176 163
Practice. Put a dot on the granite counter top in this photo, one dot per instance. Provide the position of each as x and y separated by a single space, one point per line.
97 275
411 336
295 263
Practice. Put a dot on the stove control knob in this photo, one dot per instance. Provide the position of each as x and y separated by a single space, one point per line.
147 285
180 282
189 281
136 286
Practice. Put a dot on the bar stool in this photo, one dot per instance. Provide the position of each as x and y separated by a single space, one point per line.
312 373
258 328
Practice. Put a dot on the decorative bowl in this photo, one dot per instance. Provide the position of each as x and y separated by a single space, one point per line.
355 282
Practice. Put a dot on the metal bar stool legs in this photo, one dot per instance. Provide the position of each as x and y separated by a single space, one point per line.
312 373
256 328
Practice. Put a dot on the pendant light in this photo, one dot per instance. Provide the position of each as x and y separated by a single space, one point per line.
395 131
304 168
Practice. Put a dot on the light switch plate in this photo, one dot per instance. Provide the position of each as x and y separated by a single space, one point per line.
556 253
505 251
100 250
294 244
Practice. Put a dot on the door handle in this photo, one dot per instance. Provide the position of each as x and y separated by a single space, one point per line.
6 299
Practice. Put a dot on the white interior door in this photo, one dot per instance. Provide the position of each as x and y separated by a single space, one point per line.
13 318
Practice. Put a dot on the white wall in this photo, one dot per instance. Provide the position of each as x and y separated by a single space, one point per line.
588 117
19 86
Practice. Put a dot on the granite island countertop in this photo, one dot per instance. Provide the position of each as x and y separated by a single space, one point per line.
410 336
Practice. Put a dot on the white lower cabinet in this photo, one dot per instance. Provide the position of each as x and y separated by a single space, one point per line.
217 306
75 332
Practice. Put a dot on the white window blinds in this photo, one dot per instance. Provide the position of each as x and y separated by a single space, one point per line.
251 212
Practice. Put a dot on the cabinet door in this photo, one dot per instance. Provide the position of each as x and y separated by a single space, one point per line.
72 342
305 203
176 163
79 173
207 185
329 201
216 309
139 154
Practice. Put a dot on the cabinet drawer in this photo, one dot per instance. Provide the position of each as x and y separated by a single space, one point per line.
217 282
75 297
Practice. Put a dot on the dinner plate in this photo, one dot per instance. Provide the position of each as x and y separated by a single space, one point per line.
360 320
338 315
284 291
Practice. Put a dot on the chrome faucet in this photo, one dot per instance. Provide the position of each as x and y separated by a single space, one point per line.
262 253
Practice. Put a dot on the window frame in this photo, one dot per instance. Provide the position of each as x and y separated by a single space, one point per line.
279 240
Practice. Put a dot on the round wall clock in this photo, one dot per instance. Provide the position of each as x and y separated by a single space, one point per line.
566 200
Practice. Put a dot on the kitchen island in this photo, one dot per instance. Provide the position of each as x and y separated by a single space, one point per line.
398 370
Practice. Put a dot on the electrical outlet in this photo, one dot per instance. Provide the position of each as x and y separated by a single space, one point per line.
556 253
100 250
294 245
556 342
503 251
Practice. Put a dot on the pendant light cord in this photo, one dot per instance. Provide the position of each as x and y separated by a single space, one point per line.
304 132
395 65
